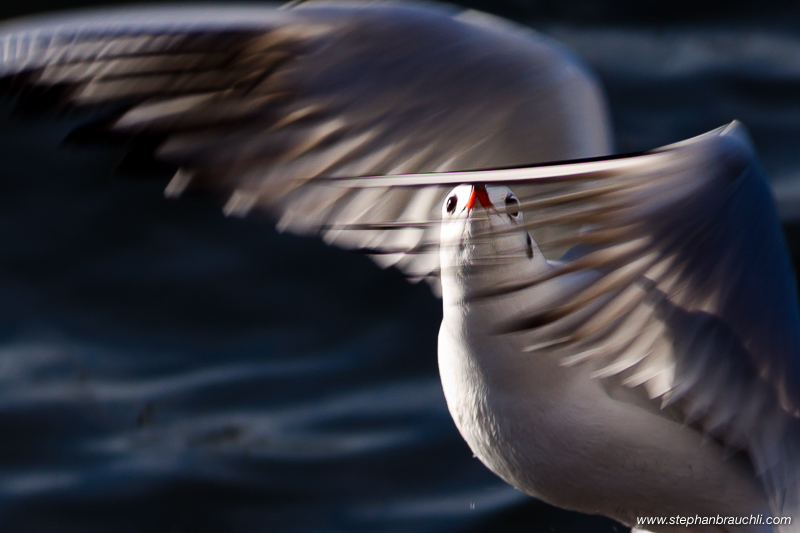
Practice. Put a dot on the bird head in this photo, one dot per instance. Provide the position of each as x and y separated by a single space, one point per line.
483 240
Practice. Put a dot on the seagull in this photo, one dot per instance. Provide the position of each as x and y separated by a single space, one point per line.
620 334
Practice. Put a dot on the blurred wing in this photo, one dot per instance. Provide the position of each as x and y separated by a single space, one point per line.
263 104
678 281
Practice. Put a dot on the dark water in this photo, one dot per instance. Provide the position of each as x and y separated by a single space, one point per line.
164 369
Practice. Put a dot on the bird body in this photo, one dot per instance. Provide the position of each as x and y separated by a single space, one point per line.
552 430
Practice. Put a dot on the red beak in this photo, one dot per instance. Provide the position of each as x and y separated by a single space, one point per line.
479 193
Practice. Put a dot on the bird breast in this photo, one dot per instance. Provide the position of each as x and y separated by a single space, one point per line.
517 411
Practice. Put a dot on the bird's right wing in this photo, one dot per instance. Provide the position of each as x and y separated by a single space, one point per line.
262 104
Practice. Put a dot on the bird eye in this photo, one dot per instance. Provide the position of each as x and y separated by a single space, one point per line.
512 206
452 202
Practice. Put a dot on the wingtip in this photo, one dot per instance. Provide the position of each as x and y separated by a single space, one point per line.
737 130
179 182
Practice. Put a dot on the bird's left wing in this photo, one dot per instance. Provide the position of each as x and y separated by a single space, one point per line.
685 287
